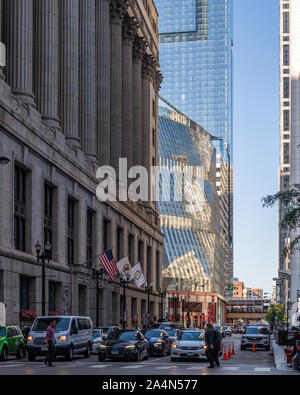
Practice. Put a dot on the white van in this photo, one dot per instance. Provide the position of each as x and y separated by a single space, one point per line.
73 335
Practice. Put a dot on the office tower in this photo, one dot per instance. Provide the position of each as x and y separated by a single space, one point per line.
196 61
195 254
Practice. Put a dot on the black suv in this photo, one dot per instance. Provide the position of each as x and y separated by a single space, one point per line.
258 335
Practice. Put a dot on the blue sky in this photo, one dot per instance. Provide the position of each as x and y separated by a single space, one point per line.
256 139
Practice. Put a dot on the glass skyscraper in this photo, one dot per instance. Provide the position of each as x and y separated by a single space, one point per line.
196 61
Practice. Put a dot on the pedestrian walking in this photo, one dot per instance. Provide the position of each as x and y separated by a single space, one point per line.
50 343
213 345
296 338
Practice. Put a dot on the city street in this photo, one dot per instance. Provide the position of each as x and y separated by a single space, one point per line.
243 363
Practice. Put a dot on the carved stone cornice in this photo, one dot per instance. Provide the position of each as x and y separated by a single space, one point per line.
149 67
129 29
139 48
158 80
117 10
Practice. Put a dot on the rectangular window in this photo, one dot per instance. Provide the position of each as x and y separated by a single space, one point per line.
106 234
153 137
286 55
157 270
286 120
20 208
141 253
286 87
52 296
286 153
286 22
89 237
24 293
71 230
131 249
48 214
153 108
119 243
149 264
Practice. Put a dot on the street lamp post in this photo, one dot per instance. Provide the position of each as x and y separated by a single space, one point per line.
183 299
175 300
149 289
124 281
162 294
43 256
98 275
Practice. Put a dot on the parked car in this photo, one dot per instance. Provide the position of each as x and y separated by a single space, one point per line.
99 336
258 335
226 330
159 342
73 335
108 329
11 342
124 344
189 344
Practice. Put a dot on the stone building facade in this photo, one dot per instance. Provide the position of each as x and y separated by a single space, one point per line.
79 91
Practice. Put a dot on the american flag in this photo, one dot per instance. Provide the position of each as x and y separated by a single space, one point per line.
109 264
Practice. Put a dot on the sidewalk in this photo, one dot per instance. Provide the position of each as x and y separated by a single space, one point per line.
279 357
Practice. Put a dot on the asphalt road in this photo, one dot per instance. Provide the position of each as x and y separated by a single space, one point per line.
242 363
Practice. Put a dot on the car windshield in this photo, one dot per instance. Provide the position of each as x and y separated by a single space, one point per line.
41 324
155 333
171 332
96 334
192 336
257 331
116 335
2 332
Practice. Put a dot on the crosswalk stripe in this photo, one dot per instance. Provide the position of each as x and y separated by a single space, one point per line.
11 366
230 368
164 367
262 369
132 367
196 368
99 366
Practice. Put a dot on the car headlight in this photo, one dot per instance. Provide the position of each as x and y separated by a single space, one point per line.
205 347
62 338
30 338
174 346
102 346
131 346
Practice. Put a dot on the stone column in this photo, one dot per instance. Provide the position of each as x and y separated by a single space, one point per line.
147 76
46 75
103 81
117 12
129 32
69 70
139 50
1 36
19 48
87 78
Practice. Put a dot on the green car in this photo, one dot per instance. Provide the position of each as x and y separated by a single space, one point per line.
11 342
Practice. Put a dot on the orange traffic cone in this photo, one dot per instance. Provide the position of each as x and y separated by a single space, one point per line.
233 352
229 351
253 347
225 353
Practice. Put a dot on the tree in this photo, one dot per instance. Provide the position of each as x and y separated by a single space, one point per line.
276 311
289 202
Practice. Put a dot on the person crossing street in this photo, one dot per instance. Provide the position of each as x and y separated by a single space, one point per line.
213 341
50 343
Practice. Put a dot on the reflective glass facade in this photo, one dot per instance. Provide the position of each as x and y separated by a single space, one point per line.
196 61
193 256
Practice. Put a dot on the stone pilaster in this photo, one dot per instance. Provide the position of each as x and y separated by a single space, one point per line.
103 81
46 55
117 12
20 48
148 70
1 36
129 32
139 51
87 59
69 13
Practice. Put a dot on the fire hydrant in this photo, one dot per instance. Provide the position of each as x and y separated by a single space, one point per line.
288 354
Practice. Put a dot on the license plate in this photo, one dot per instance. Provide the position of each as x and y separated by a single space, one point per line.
44 348
191 353
115 351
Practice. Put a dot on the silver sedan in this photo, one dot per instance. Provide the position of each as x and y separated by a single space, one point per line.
189 345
